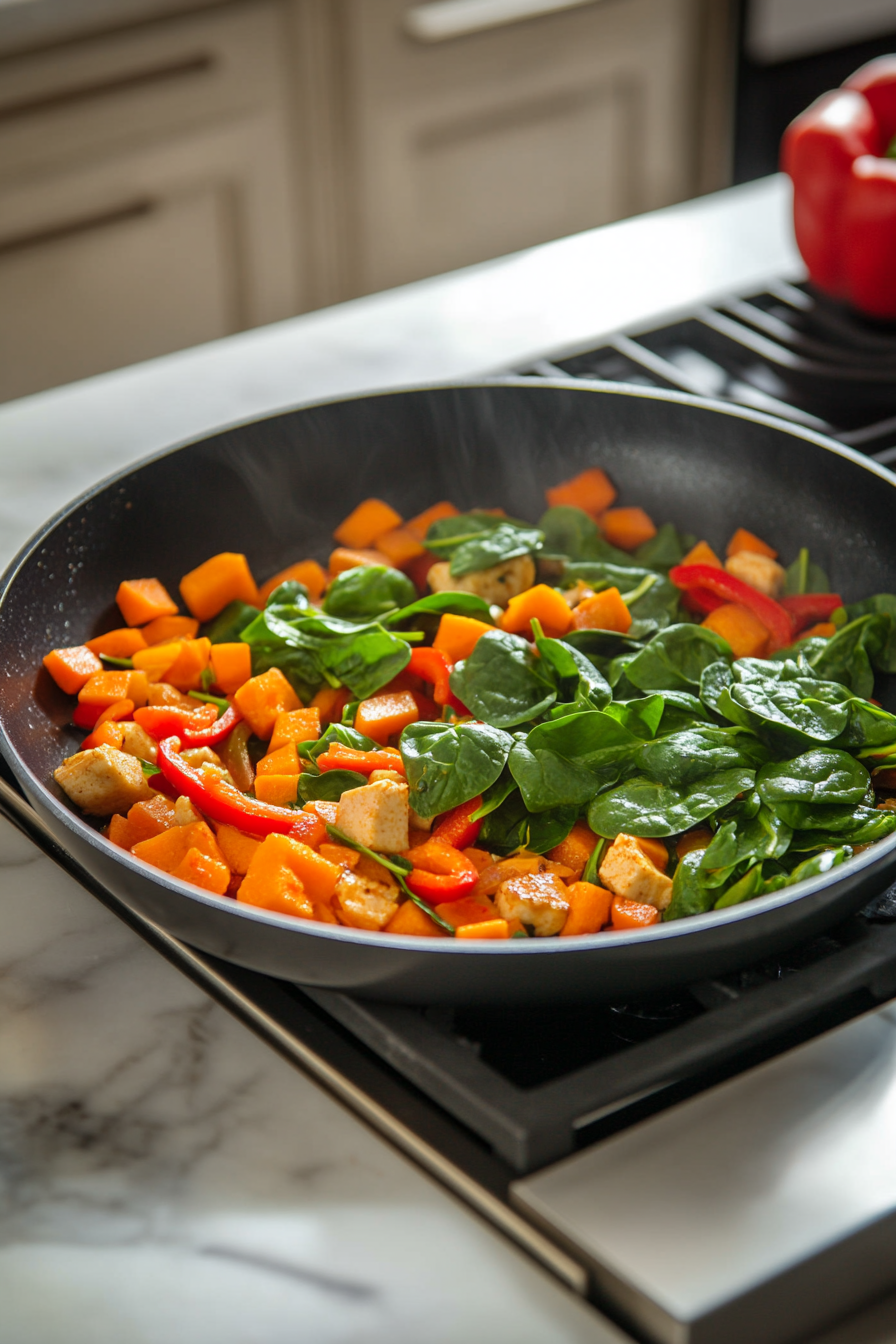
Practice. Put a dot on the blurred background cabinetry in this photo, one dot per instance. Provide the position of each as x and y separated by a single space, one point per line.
172 173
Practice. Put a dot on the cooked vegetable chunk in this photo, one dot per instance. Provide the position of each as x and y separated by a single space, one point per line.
628 872
103 780
376 815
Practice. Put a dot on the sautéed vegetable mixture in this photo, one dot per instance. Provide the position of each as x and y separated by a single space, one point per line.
472 726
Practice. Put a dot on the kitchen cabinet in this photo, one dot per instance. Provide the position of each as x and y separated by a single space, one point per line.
190 175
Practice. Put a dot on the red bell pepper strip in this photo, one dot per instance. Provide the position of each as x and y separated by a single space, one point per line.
224 803
807 609
838 154
339 757
85 716
701 601
456 828
440 873
175 720
724 585
434 667
220 729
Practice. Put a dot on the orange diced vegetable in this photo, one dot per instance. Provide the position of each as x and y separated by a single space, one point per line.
308 572
156 660
591 490
625 914
420 525
278 789
272 883
152 817
366 523
108 734
122 833
480 858
410 920
142 600
262 698
748 541
340 854
224 578
121 643
316 875
203 871
384 716
745 632
823 630
106 688
656 852
283 761
468 910
72 668
627 528
296 725
185 673
486 928
238 848
231 665
329 703
319 807
576 849
603 611
167 849
164 629
702 554
699 838
539 603
400 545
457 636
342 559
589 909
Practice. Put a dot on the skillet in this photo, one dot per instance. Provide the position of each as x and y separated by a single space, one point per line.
275 489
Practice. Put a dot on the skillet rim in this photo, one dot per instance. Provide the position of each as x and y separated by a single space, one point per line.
72 821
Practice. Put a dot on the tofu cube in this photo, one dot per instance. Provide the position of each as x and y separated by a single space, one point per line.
540 900
376 815
496 585
627 871
759 571
363 903
136 741
103 780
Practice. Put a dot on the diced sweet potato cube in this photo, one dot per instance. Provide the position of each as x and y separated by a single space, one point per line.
603 611
283 761
366 523
166 629
296 725
330 702
699 838
142 600
823 630
591 490
231 665
185 673
410 920
625 914
72 668
702 554
106 688
400 545
224 578
151 817
238 848
539 603
308 572
340 855
656 852
281 790
168 849
420 525
627 528
589 909
385 716
468 910
743 540
272 882
157 659
486 928
457 636
344 558
480 858
326 811
262 698
122 833
576 849
122 643
745 632
203 871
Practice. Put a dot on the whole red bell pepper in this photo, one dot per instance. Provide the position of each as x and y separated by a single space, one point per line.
224 803
456 828
724 585
841 156
809 608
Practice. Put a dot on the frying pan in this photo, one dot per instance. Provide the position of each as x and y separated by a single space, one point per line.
276 488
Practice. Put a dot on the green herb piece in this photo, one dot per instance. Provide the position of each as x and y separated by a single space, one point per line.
643 587
502 681
222 704
149 769
448 764
399 867
805 577
116 662
595 859
368 592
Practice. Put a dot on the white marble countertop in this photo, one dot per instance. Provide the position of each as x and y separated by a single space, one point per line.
165 1177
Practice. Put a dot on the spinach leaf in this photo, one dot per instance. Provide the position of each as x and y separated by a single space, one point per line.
511 826
764 835
494 795
502 681
805 577
857 826
436 604
824 775
601 645
690 894
576 678
744 889
675 659
870 727
641 717
695 753
315 648
548 780
821 863
790 716
368 592
289 599
229 624
572 532
642 806
848 656
593 739
336 732
682 710
881 604
715 679
662 551
493 548
329 786
448 764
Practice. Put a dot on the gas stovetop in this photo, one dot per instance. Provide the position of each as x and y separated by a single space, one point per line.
545 1120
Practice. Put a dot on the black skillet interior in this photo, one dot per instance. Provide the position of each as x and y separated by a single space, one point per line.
276 488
